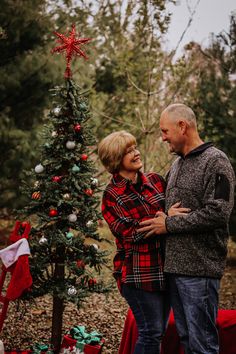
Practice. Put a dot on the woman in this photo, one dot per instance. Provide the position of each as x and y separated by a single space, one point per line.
129 198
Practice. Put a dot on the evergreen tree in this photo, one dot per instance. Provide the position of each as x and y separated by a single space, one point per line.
26 74
63 201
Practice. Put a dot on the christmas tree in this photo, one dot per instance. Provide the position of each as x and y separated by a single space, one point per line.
62 202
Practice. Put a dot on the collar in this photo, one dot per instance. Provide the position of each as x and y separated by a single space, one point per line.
122 182
199 149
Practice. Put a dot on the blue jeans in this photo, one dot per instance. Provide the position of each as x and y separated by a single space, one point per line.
151 311
195 303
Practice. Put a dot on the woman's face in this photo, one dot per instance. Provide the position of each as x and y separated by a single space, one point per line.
131 160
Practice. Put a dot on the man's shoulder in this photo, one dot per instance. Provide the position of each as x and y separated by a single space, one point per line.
212 152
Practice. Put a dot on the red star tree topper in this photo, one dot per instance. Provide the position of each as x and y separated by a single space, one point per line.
71 46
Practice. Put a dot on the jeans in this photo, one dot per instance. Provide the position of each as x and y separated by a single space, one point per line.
195 303
151 311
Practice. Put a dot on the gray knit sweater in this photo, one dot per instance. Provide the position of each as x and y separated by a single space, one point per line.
204 182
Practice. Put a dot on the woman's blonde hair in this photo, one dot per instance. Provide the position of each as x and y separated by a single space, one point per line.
112 149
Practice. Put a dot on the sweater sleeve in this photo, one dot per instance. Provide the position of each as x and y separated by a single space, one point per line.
218 200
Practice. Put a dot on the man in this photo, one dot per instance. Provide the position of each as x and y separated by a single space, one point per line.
201 179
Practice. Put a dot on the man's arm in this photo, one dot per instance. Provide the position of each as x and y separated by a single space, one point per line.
217 204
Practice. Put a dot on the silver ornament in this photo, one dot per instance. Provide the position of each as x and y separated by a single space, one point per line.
70 145
54 134
43 240
72 218
39 168
94 245
57 111
94 182
72 291
67 196
89 223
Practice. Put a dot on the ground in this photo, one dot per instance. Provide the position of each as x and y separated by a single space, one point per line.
30 323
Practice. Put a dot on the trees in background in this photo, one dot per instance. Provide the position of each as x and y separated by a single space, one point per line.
130 77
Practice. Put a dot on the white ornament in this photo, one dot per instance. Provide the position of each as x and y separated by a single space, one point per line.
72 291
39 168
95 246
54 134
89 223
70 145
72 218
43 240
57 111
94 182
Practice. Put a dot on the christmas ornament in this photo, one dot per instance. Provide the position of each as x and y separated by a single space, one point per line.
84 157
57 179
36 184
80 264
77 128
53 212
56 111
88 192
75 168
89 223
72 291
94 182
39 168
72 218
91 283
67 196
69 235
36 195
94 245
71 46
83 106
43 240
70 145
54 134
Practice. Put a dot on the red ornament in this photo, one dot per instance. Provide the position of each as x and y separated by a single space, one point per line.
84 157
92 282
88 192
77 128
53 212
57 179
80 264
71 46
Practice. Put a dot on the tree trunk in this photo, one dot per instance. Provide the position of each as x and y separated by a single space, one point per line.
57 312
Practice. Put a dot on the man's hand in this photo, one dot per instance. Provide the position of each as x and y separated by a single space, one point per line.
155 226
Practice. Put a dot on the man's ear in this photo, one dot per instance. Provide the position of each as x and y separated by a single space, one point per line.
183 125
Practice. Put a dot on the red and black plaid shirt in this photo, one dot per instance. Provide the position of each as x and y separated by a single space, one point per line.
138 261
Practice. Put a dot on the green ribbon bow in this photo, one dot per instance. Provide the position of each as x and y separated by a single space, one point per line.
38 348
82 337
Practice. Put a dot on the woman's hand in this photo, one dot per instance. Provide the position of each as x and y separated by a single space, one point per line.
175 209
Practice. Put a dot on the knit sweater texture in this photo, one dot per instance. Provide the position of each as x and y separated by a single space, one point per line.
203 181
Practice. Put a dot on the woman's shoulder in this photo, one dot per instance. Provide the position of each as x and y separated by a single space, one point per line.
153 176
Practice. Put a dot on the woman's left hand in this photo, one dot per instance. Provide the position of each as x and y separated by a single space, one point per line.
175 209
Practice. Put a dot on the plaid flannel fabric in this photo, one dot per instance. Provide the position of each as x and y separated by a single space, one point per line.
138 261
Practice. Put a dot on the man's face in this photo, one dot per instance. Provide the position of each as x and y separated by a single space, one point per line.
171 133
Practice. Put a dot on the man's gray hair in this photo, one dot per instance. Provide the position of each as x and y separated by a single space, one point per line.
180 110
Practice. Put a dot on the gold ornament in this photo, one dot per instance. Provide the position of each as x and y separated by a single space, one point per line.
67 196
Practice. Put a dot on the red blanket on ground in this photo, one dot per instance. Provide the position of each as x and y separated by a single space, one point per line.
226 323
